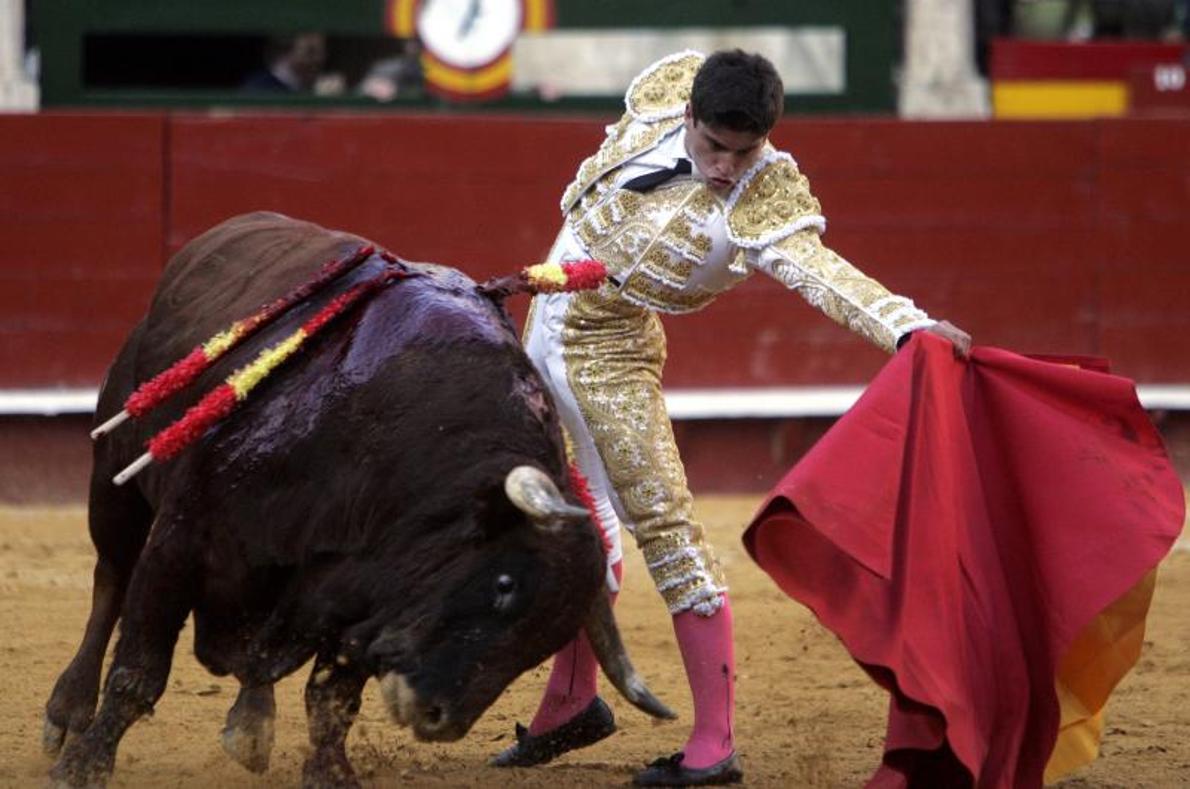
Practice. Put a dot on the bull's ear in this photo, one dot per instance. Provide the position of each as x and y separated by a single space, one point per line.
494 513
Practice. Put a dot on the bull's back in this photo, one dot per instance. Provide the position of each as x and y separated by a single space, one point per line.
228 273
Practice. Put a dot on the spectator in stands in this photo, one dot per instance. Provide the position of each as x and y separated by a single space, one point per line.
1144 19
395 77
292 64
684 199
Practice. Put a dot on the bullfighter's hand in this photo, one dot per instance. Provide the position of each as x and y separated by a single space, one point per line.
960 339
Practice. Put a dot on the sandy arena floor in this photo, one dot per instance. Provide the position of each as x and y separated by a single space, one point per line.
807 716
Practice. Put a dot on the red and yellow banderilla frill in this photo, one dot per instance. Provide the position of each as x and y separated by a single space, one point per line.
182 373
557 277
223 399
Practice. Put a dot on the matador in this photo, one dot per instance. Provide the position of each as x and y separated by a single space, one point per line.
684 199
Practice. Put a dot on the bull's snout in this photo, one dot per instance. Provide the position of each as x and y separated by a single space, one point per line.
399 698
428 720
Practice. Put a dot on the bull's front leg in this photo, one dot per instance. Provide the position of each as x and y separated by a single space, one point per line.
119 525
72 703
332 702
248 735
159 598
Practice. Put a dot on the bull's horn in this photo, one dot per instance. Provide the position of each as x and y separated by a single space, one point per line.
534 493
609 650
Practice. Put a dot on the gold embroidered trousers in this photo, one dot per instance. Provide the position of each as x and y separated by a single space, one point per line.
602 358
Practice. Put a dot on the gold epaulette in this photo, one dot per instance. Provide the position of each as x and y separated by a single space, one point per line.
662 90
771 201
655 105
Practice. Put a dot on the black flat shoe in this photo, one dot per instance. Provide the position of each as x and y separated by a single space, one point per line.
587 728
668 771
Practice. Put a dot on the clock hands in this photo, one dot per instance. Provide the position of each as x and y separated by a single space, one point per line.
469 18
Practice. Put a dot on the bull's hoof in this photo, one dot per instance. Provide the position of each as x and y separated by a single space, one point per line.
328 771
52 737
74 774
250 746
57 783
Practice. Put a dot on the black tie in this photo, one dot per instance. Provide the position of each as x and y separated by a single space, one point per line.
643 183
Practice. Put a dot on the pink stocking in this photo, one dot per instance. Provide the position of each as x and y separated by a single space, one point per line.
573 679
709 657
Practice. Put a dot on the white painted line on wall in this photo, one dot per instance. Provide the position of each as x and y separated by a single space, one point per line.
723 403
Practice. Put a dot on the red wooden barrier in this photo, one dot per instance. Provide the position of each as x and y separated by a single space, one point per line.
1143 250
81 212
1060 237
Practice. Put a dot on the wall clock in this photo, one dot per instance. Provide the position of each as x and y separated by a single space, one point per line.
467 44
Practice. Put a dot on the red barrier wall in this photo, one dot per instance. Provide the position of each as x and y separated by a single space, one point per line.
81 213
1059 237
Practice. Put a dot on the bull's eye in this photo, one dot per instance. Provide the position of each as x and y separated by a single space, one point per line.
505 587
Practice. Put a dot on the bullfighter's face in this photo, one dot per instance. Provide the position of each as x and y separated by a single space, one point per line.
722 155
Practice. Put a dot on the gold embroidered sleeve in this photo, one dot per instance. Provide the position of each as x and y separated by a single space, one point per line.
802 262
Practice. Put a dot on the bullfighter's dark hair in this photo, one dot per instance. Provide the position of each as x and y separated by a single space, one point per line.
739 91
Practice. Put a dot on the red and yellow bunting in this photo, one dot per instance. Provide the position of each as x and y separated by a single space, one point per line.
1060 79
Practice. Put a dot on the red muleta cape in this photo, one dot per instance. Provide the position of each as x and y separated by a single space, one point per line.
982 536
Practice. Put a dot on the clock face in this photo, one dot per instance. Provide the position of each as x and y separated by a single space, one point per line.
468 34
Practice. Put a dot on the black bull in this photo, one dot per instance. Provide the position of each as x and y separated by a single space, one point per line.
387 504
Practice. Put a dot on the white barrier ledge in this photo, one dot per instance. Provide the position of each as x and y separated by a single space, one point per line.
760 403
48 402
805 401
1164 397
723 403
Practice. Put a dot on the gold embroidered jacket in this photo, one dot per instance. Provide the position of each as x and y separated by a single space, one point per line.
674 249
